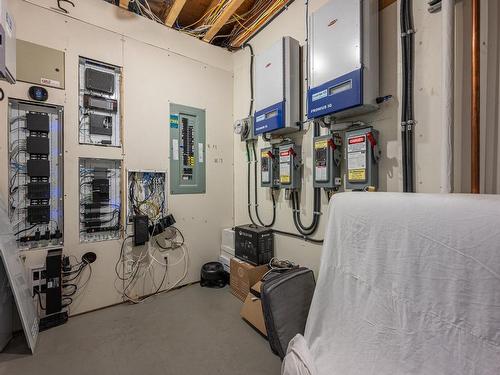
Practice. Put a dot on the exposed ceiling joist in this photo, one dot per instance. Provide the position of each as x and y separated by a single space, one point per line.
385 3
230 9
124 4
174 12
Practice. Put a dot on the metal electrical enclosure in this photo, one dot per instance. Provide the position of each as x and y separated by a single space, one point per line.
326 162
36 173
362 156
277 88
7 44
187 150
343 59
269 168
290 164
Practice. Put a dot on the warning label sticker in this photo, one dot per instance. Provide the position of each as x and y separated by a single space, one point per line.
356 144
321 173
285 173
320 144
357 175
357 160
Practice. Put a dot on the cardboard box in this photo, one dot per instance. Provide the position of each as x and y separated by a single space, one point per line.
243 276
251 311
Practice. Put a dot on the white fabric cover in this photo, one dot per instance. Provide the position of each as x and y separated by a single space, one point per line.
408 284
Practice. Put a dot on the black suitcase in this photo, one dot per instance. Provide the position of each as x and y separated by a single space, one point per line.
286 298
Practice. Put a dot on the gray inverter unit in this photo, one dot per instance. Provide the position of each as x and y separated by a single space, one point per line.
343 55
7 44
277 88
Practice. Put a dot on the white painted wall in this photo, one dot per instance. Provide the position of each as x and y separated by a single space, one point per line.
159 66
386 120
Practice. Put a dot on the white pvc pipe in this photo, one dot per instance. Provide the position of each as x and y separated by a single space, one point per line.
448 90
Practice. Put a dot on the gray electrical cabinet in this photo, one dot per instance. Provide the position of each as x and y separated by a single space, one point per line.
290 163
269 168
187 150
362 156
326 162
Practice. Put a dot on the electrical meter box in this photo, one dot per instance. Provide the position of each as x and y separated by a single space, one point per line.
327 156
343 59
277 88
289 169
269 168
7 44
187 150
362 156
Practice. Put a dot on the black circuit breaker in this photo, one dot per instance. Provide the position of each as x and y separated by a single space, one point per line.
362 156
254 244
326 163
269 168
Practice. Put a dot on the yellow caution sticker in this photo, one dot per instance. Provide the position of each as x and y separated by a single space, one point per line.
357 174
264 154
285 179
320 144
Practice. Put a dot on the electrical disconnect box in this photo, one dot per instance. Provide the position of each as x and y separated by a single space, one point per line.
362 156
99 102
277 88
343 59
7 44
269 168
326 161
187 150
35 173
100 199
290 165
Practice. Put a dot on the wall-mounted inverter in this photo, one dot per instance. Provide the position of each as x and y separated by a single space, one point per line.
343 59
277 88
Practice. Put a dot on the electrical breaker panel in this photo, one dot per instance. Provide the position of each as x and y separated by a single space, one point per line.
290 165
187 150
100 199
327 157
269 168
362 156
277 88
35 173
99 103
343 59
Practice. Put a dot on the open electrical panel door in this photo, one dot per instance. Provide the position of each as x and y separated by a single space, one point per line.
17 279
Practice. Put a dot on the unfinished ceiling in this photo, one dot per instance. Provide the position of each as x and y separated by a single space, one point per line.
225 23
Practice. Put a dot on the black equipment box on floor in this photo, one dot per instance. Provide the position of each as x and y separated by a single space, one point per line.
254 244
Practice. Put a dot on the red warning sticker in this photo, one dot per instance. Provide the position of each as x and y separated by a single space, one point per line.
285 153
355 140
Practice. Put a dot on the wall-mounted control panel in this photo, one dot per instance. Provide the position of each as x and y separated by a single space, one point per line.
100 199
327 156
187 150
35 173
289 166
343 59
269 168
277 88
99 103
362 155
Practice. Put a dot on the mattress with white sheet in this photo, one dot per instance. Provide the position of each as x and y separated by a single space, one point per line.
408 284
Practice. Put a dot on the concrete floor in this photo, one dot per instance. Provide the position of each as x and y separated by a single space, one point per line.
192 330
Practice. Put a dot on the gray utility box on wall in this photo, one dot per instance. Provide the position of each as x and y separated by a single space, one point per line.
187 150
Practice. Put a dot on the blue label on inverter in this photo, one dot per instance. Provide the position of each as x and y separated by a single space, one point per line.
270 118
337 95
